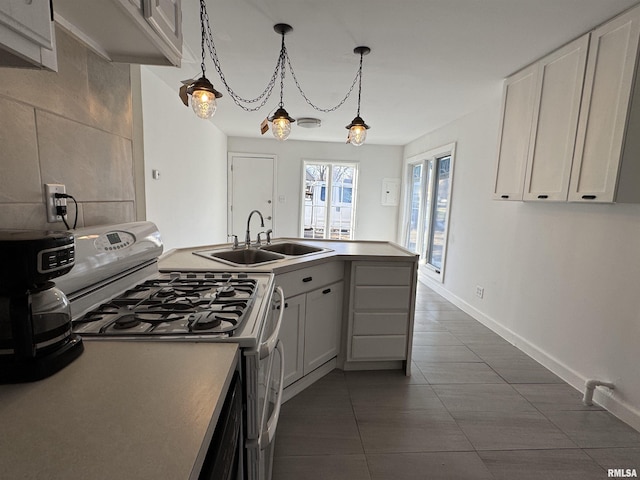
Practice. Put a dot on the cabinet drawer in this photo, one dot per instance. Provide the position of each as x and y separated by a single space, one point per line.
381 298
380 323
310 278
383 275
379 347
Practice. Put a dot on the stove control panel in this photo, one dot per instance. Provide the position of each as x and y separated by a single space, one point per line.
115 240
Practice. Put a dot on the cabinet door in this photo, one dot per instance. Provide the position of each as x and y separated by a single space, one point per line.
322 325
165 17
603 113
30 19
515 130
553 133
292 337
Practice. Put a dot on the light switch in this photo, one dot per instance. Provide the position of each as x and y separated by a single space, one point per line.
155 174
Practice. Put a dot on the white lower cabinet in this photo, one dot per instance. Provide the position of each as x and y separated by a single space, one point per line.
380 311
323 318
312 321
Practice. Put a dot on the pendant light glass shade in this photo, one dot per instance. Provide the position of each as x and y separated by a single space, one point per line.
203 98
281 124
357 131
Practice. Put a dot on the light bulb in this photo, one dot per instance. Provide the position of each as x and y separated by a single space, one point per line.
281 128
357 135
203 103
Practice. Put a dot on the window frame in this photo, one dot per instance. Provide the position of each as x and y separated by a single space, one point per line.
428 208
329 187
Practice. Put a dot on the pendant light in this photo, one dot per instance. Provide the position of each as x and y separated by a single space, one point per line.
203 95
357 128
280 120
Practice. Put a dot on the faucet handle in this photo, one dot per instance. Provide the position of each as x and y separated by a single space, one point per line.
235 240
269 232
258 239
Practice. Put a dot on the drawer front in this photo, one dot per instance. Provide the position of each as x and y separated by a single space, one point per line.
381 298
380 323
379 347
310 278
367 274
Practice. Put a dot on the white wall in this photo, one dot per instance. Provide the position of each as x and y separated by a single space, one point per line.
561 280
373 221
188 202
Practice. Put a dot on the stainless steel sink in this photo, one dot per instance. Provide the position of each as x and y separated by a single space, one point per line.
292 249
244 256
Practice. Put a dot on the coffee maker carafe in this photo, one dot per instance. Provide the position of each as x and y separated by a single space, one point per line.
35 319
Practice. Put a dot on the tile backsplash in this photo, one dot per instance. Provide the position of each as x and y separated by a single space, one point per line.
72 127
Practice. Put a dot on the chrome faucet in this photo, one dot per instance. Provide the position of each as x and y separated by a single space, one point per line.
247 240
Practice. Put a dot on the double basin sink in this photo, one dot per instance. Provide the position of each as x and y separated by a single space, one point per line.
264 254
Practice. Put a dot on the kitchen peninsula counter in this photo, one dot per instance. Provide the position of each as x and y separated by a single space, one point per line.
349 250
143 410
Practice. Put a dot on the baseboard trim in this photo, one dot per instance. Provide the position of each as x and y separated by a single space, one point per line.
607 399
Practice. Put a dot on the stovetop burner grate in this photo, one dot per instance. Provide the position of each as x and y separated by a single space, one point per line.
192 304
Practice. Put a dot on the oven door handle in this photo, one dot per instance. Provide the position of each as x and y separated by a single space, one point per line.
266 347
266 436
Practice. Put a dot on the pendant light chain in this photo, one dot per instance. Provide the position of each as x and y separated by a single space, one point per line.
283 54
320 109
283 61
237 99
360 83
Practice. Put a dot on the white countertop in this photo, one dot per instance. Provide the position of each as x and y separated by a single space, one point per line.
184 259
122 410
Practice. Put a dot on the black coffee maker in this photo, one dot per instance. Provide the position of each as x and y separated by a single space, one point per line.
35 319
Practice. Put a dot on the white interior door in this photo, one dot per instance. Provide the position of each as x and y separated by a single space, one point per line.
251 187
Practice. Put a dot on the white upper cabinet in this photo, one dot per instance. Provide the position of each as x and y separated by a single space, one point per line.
539 119
517 114
572 135
553 131
598 167
26 34
130 31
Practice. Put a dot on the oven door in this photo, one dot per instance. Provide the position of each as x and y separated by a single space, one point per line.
269 375
260 451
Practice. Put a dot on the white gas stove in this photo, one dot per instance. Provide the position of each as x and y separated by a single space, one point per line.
117 293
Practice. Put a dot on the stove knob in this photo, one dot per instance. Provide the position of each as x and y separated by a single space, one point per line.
243 275
226 275
191 275
209 275
174 275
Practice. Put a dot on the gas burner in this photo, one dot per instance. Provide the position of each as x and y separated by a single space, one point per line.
226 291
207 323
125 322
165 292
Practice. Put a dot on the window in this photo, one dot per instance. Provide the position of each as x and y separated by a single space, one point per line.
329 200
429 181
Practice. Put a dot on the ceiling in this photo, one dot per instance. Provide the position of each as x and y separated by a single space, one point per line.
431 61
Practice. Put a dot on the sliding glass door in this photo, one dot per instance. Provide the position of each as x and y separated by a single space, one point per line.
429 178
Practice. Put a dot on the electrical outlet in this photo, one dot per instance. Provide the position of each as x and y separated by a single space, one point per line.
50 189
479 291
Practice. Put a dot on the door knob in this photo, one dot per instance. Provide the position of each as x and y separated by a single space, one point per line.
269 218
269 202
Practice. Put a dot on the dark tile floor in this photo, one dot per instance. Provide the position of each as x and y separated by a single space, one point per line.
475 407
